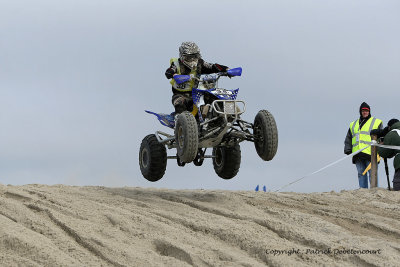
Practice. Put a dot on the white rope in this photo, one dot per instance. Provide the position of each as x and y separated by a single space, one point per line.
327 166
373 143
385 146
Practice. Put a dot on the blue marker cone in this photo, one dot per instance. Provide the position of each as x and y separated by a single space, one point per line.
257 187
264 188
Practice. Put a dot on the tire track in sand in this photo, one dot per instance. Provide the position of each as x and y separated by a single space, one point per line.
74 235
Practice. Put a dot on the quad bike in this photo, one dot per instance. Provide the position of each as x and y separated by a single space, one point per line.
215 122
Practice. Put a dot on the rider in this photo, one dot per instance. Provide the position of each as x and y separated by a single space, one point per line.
188 63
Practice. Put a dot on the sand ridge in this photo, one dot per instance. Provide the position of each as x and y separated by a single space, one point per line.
60 225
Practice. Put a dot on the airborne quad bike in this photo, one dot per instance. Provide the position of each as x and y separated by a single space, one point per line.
216 123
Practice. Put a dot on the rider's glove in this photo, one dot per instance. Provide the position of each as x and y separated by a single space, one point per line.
169 73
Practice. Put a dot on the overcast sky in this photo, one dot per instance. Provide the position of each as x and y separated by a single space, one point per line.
76 77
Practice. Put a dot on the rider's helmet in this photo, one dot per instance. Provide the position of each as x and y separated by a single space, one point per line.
189 53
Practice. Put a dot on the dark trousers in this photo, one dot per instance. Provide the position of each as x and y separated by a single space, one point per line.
396 180
182 102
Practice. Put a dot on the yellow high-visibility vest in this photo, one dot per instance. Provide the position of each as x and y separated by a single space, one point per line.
361 137
183 87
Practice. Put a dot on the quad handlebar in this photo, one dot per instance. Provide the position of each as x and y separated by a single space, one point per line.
230 73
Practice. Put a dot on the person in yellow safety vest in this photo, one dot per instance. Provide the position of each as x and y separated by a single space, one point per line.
188 63
357 138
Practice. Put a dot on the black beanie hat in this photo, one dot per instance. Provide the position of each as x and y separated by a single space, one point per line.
392 121
365 106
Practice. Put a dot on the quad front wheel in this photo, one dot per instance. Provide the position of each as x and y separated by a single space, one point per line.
186 137
265 135
226 161
152 158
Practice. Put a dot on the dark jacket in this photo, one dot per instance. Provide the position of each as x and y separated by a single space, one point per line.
348 147
392 139
202 68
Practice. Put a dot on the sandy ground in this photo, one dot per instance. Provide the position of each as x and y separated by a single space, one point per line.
61 225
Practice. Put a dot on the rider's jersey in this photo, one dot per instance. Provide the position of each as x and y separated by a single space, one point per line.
203 67
186 86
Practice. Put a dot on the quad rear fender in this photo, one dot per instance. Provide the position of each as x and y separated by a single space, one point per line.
165 119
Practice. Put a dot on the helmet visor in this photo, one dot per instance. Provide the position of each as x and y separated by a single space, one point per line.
191 60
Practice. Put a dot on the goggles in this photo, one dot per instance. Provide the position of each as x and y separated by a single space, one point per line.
189 58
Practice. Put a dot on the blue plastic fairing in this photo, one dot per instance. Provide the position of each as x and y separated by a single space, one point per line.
223 94
196 94
181 78
235 72
165 119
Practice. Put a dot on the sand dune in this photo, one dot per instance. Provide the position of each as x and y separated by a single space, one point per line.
61 225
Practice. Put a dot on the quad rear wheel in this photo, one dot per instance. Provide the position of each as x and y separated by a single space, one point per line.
152 158
186 137
266 135
226 161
